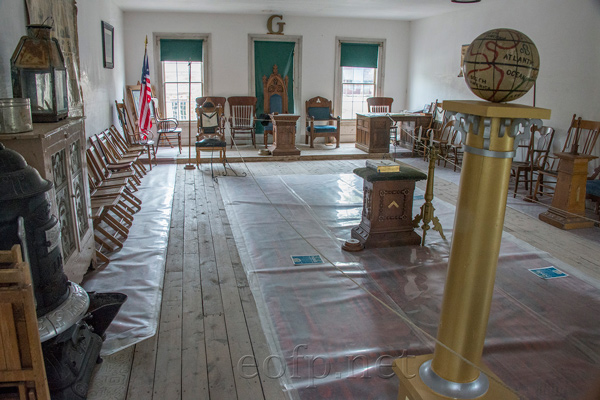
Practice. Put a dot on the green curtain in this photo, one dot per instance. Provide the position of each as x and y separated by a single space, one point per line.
180 50
364 55
267 54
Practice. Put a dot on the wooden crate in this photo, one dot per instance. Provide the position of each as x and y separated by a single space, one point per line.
21 360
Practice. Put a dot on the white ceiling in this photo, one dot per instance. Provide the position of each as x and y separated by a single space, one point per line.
380 9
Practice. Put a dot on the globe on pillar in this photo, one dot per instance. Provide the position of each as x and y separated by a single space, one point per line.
501 65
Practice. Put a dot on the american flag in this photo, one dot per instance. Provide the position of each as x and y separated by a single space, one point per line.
145 123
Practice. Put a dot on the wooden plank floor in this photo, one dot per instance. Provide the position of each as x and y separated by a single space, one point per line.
209 326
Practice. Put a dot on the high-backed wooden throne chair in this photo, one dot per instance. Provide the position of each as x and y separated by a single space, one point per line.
275 98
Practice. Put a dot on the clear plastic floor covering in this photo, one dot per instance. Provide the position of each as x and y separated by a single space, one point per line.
138 268
334 328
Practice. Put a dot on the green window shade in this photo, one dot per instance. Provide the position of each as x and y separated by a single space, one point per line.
180 50
362 55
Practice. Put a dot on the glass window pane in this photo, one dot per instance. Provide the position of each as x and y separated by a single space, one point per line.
176 78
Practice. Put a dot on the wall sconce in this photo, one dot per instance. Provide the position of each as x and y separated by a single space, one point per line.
39 73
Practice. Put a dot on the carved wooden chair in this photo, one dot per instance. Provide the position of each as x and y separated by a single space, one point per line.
320 121
538 147
581 137
242 110
218 102
210 136
166 128
383 105
275 98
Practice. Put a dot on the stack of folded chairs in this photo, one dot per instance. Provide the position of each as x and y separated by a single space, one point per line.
114 174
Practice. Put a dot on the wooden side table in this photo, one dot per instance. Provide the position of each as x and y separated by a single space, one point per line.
387 208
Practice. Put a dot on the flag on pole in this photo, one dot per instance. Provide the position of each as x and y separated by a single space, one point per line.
145 123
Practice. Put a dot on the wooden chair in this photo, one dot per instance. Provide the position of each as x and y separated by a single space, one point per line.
22 363
210 137
166 128
421 141
133 135
109 171
455 150
537 153
275 98
320 121
114 156
383 105
581 136
242 110
217 101
442 137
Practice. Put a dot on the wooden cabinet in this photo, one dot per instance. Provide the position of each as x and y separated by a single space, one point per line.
57 151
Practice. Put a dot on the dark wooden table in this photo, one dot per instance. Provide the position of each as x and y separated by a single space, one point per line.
373 129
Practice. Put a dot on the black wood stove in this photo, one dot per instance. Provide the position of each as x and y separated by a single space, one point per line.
71 321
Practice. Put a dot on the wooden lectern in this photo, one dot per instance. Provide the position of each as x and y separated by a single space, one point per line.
284 135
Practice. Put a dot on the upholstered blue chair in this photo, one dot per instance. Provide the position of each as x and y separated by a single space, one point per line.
320 121
275 98
592 189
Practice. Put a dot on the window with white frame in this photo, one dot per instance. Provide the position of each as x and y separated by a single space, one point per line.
182 69
358 84
359 75
177 85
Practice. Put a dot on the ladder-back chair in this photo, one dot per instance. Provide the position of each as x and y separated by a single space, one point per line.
242 110
581 139
538 148
383 105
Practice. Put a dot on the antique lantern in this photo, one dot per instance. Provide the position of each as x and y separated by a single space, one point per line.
39 73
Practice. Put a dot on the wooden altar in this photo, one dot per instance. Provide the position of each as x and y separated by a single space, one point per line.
284 135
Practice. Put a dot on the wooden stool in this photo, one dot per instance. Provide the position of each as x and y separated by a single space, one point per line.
21 360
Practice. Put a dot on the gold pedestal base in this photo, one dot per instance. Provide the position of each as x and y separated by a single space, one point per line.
413 388
565 221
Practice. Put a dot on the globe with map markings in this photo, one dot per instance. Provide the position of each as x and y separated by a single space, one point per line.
501 65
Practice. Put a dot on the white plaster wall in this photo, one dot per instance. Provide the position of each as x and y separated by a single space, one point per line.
229 49
13 21
101 86
566 33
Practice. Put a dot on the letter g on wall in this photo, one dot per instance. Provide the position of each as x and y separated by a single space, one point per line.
279 24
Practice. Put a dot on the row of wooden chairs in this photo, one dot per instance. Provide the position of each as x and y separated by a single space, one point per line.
320 121
114 174
132 136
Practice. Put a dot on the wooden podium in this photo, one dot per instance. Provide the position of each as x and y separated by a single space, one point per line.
567 210
387 208
284 135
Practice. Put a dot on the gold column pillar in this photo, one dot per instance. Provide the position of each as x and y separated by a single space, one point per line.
480 210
